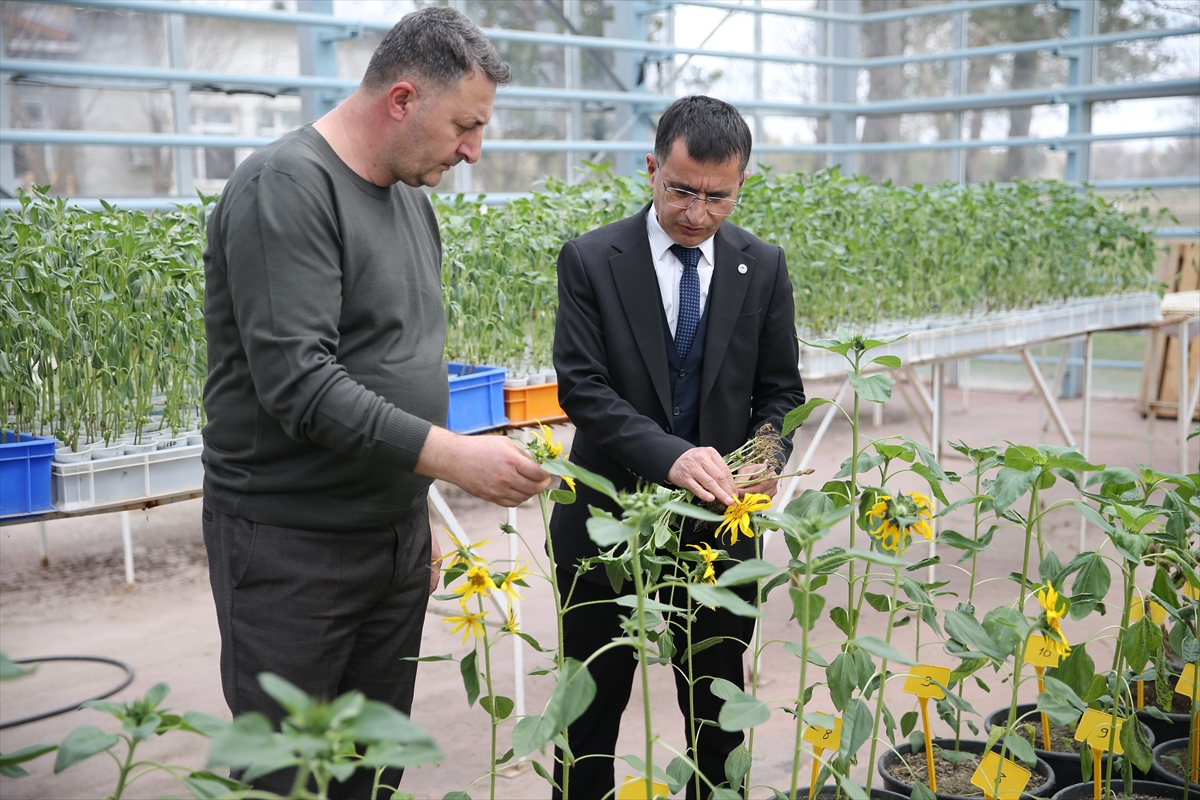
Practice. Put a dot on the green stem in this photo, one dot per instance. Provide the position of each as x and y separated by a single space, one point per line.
487 677
883 679
803 667
560 655
754 663
123 773
853 499
691 676
1118 658
1018 656
642 666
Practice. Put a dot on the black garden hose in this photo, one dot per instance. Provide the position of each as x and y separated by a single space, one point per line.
98 659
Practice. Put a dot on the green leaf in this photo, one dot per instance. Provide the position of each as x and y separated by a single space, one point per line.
960 542
469 669
155 695
892 362
26 754
740 710
380 723
564 497
81 744
1010 485
679 771
720 597
588 478
908 722
606 531
573 693
648 604
815 603
287 694
737 764
1060 702
748 571
205 785
691 511
1142 641
875 388
9 669
1020 747
878 647
922 792
502 708
843 620
250 743
813 656
856 729
799 415
967 630
842 676
1136 745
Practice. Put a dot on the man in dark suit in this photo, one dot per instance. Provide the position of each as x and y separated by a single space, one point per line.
675 342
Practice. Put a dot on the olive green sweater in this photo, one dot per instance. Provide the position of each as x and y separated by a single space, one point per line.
323 310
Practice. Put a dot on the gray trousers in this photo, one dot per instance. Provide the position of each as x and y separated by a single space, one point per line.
329 611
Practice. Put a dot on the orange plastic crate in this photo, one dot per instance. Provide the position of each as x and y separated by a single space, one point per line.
524 404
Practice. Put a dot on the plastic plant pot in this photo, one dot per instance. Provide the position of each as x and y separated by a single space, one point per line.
1067 766
1085 791
1179 749
972 746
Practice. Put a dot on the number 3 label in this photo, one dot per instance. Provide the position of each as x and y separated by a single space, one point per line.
921 681
1013 777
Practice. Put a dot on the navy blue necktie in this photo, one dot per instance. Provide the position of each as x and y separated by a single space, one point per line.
689 299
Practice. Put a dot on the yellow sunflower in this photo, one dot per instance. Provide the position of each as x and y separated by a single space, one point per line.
462 553
543 447
892 521
709 556
509 583
479 581
737 516
512 625
1053 612
468 623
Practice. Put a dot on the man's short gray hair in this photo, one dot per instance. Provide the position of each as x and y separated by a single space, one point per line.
438 44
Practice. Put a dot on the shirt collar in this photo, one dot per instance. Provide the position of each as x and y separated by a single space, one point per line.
661 241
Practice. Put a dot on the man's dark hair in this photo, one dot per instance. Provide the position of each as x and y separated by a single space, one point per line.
712 130
438 44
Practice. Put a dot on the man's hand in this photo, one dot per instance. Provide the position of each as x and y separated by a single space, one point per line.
492 468
768 485
705 474
435 555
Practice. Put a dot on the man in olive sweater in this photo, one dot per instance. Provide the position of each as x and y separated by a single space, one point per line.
327 386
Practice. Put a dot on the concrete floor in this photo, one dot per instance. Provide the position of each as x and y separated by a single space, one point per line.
166 628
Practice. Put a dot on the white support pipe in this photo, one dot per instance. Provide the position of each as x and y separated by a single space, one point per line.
1086 443
919 386
964 380
127 539
937 376
518 652
1182 417
43 545
1047 396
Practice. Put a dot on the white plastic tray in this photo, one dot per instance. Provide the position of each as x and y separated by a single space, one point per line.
87 484
939 339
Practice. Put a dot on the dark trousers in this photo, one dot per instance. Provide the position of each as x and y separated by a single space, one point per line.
329 611
594 734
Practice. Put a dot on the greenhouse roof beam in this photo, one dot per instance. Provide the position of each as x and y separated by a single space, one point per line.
878 16
1055 46
285 84
119 138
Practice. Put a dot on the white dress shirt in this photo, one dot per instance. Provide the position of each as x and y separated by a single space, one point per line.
669 270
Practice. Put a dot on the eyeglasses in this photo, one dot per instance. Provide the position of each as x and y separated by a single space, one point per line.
717 206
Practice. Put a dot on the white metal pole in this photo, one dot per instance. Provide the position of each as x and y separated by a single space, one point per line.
515 605
964 380
1086 435
43 545
127 538
1181 415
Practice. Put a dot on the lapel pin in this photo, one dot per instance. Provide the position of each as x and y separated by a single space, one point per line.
742 268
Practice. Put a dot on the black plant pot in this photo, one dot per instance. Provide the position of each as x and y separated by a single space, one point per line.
1179 724
1085 791
1067 766
1159 773
829 792
964 746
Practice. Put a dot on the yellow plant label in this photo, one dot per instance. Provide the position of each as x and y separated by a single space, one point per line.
1192 592
1100 730
1158 614
1013 777
635 789
921 681
1089 721
1188 682
825 738
1040 652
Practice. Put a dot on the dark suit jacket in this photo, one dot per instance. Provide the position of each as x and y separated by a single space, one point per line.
610 355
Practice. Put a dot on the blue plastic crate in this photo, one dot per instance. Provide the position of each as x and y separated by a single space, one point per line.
25 475
476 398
